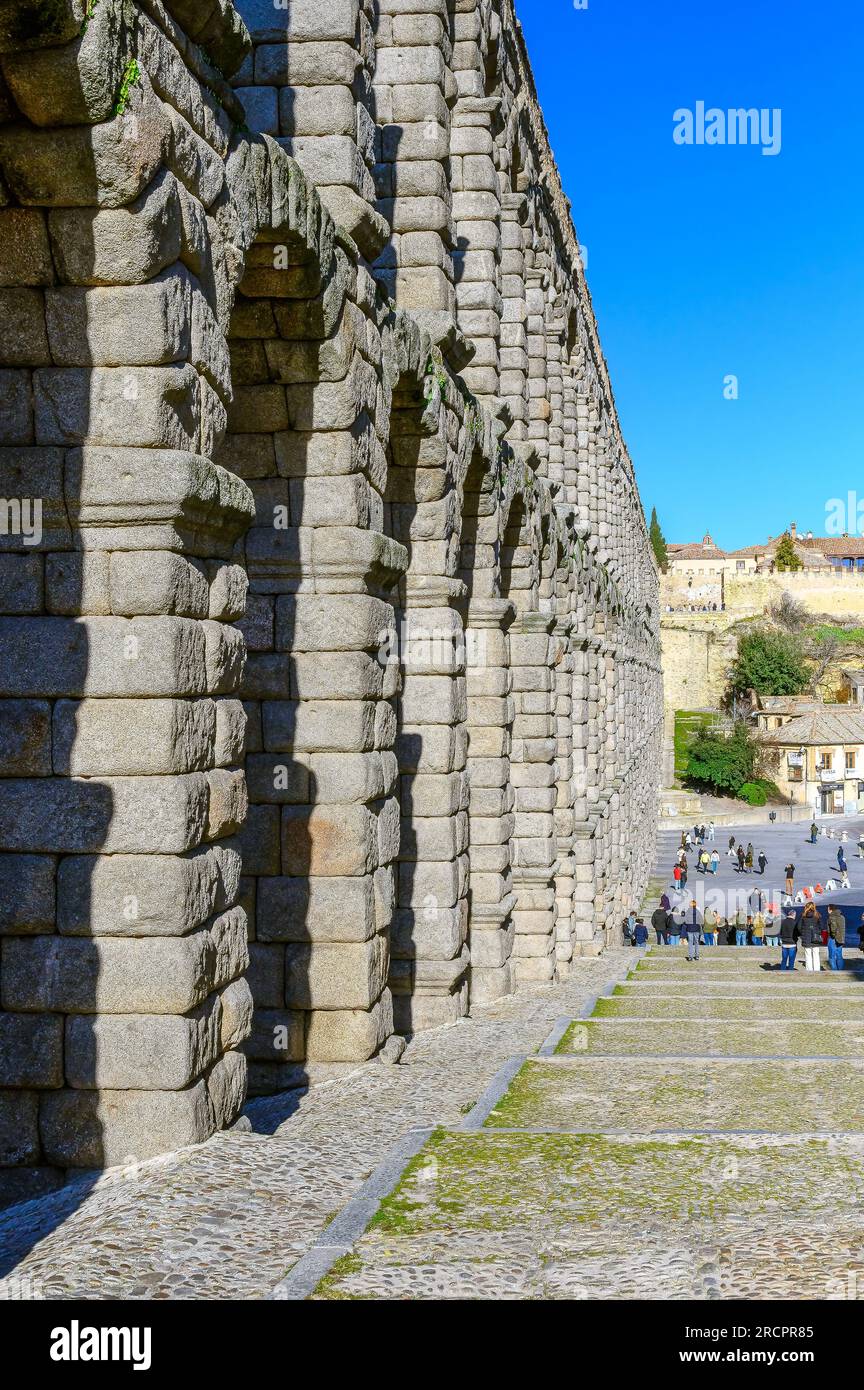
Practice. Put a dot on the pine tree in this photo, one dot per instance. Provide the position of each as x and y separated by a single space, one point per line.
658 542
786 556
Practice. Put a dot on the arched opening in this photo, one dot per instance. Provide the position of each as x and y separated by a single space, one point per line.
489 724
428 974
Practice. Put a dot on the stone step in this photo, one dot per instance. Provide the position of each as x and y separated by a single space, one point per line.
588 1216
765 962
687 1038
769 1005
820 986
599 1093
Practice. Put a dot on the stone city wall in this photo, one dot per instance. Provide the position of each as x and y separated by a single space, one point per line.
331 690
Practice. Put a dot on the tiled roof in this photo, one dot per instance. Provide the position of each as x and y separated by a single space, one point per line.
830 724
776 704
835 545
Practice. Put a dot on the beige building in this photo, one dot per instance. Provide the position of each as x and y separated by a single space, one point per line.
822 759
699 573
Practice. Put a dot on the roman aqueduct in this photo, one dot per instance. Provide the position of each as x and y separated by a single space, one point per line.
331 701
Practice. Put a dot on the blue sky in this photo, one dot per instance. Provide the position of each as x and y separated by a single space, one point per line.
710 261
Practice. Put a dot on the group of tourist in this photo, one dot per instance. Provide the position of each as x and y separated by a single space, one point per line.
708 928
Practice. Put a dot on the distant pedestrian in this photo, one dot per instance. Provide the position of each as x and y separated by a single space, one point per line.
684 872
731 843
711 924
739 922
711 831
790 879
836 938
676 875
673 932
789 934
704 862
741 859
640 936
658 922
758 930
693 923
841 860
811 937
715 861
748 859
814 833
772 930
762 861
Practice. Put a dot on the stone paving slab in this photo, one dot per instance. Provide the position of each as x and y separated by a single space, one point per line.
683 1038
603 1093
553 1217
767 1006
227 1219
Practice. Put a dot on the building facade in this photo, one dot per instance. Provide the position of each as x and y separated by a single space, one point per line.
331 691
821 763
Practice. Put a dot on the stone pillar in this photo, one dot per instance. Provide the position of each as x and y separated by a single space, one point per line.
308 83
490 721
430 955
514 336
563 678
414 91
533 775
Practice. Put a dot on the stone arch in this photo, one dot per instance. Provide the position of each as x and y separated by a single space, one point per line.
322 830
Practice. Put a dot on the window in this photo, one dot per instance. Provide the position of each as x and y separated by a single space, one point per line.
824 760
796 773
850 762
739 564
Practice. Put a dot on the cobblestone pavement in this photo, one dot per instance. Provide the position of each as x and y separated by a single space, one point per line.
654 1173
229 1218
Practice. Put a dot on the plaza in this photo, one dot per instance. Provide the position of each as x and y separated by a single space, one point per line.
783 843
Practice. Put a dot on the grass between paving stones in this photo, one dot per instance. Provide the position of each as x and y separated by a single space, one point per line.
584 1191
624 1093
763 1008
710 1038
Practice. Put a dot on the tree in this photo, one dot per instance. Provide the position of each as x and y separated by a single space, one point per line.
771 663
658 542
789 613
823 651
786 558
720 761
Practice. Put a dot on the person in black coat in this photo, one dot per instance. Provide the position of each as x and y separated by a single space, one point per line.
659 919
789 937
810 928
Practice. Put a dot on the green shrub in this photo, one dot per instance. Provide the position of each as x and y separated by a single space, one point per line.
753 794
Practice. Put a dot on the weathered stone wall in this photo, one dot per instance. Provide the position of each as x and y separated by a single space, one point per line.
332 681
